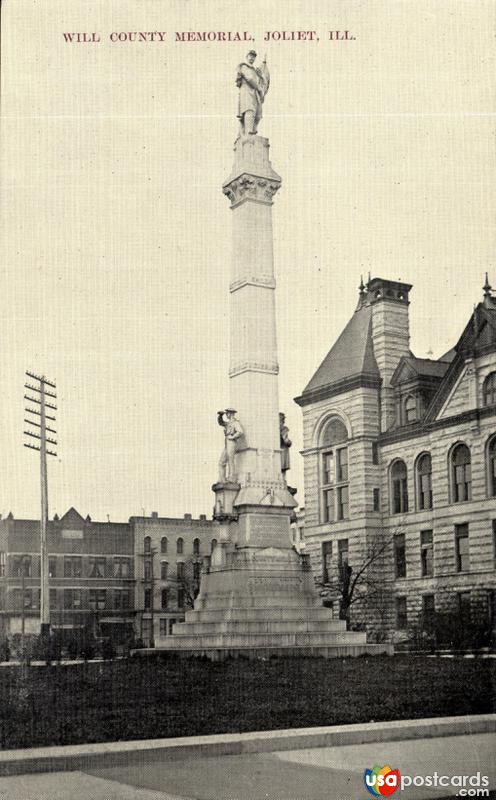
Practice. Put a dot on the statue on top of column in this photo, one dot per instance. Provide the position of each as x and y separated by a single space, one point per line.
253 84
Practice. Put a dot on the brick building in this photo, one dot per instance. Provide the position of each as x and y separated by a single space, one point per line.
169 554
123 579
400 470
91 569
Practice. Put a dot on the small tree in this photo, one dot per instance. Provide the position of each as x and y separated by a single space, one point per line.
362 583
188 581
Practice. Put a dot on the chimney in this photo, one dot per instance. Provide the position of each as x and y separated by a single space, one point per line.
154 515
203 517
187 516
390 336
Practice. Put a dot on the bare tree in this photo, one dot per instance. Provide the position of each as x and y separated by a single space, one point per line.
361 584
187 580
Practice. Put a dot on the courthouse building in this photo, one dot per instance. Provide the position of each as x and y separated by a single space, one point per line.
400 469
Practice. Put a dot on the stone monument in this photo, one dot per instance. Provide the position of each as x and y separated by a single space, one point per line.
257 594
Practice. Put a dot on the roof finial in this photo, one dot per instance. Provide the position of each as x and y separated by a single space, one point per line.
487 288
368 280
429 352
361 288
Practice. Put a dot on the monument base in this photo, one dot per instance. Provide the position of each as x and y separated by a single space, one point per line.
257 598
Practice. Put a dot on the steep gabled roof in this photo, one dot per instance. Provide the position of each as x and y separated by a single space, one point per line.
478 336
411 367
72 517
351 356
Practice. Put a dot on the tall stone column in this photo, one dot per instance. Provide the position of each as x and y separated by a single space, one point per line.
253 366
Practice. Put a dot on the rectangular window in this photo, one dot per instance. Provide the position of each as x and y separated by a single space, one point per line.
28 598
326 561
148 599
426 554
2 564
342 465
399 555
428 611
122 599
328 509
148 569
164 598
163 627
53 598
52 567
377 499
461 547
425 498
375 453
180 570
400 495
464 607
180 598
343 505
122 567
97 599
343 553
97 567
72 566
21 566
164 569
172 622
328 468
463 483
401 614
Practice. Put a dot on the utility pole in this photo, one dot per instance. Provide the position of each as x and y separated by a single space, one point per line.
40 435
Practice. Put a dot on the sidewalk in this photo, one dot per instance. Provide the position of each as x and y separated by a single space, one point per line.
327 773
306 764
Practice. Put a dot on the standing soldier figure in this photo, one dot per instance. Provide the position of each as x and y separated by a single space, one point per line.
253 84
233 431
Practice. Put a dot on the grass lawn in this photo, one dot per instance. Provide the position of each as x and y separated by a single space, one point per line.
157 697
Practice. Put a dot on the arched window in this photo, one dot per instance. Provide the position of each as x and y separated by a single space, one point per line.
196 547
163 544
164 570
461 473
334 472
147 544
399 487
410 409
489 390
491 466
180 546
213 545
424 482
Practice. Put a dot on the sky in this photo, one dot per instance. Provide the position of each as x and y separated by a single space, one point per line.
116 234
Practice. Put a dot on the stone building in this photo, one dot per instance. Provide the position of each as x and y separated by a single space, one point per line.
400 472
168 554
91 576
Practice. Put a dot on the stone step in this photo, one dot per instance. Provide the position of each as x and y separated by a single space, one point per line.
221 653
212 641
239 627
279 600
283 613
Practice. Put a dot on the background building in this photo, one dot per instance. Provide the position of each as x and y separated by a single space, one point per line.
91 569
169 554
400 473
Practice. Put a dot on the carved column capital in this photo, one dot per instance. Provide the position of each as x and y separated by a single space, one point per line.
251 187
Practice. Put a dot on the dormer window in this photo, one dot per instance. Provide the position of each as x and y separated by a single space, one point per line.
410 408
